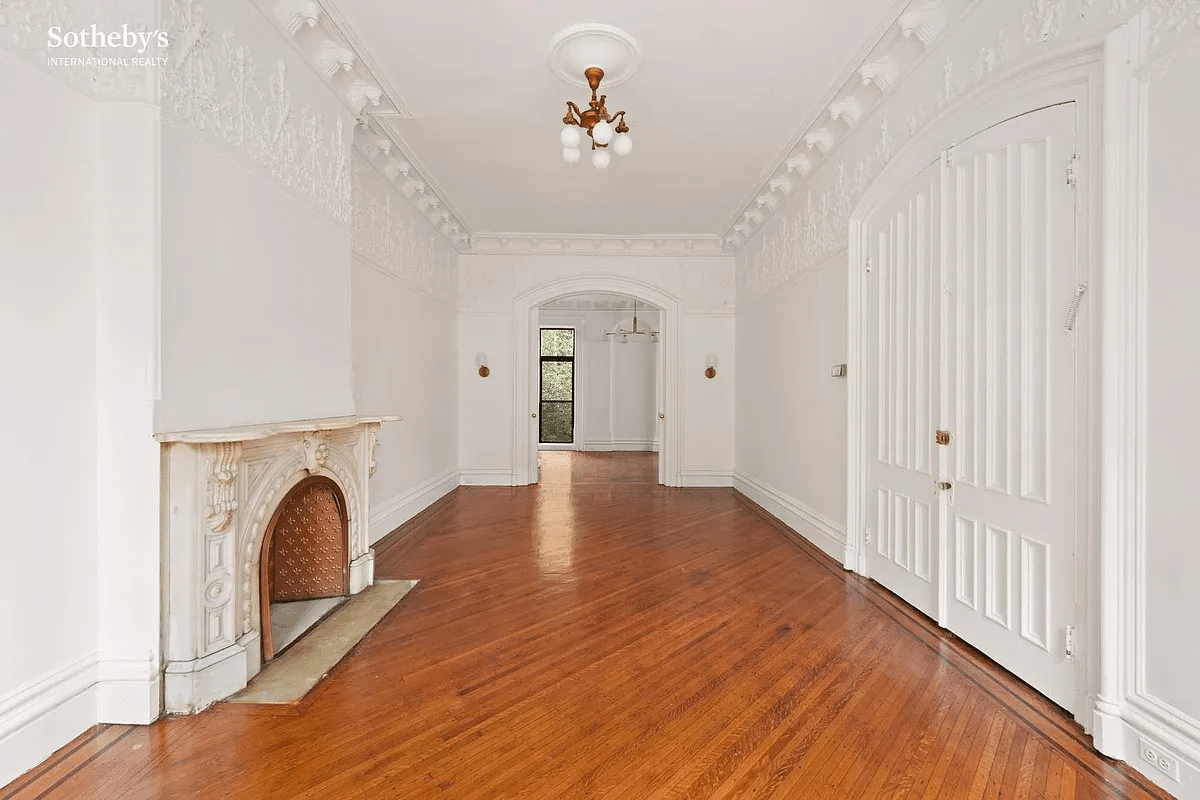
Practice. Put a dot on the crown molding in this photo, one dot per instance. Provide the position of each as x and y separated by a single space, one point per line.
595 245
320 34
915 28
335 20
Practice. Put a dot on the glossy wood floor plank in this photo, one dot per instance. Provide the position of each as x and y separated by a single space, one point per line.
599 636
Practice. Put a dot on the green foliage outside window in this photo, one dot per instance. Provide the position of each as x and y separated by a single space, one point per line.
557 377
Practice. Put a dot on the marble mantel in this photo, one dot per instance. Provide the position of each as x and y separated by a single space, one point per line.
221 487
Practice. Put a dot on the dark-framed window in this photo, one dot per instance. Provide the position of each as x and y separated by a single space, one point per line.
557 382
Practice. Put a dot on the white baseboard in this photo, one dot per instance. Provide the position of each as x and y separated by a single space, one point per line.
44 714
389 515
128 688
618 445
812 525
706 477
1146 728
486 476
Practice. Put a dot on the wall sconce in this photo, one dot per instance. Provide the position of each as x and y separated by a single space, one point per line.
710 367
481 360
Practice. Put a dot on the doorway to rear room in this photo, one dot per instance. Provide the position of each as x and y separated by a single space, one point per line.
598 389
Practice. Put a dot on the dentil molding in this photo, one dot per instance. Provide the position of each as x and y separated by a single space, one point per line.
320 34
392 236
558 244
901 46
490 284
779 241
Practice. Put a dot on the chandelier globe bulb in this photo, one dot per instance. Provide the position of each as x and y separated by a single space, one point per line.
602 132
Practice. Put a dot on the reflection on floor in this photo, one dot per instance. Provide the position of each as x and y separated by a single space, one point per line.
289 621
620 640
577 467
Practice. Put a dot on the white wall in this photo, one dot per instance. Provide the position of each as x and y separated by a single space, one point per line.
489 285
791 438
128 468
48 321
614 383
405 351
255 242
1173 391
792 293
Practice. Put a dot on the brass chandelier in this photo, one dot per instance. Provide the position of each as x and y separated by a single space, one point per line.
599 125
624 334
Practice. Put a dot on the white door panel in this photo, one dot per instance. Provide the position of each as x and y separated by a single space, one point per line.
1012 396
903 330
971 266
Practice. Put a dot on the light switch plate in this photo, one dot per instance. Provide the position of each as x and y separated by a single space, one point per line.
838 371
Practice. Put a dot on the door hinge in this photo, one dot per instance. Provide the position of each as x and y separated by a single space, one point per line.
948 156
868 265
1069 644
1071 170
867 533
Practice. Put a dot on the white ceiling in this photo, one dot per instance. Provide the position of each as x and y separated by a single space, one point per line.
723 88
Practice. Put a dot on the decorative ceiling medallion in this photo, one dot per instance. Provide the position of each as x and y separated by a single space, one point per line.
574 49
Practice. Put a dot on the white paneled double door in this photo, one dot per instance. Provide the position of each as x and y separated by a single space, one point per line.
970 388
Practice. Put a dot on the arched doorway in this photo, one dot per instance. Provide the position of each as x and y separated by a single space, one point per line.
600 388
526 425
304 560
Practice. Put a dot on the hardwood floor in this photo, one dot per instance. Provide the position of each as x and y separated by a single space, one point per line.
598 636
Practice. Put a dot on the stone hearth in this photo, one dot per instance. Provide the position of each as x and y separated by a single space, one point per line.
221 489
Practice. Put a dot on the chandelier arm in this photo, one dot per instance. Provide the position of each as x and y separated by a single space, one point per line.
577 119
621 127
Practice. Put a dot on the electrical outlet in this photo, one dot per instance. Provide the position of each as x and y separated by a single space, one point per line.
1159 758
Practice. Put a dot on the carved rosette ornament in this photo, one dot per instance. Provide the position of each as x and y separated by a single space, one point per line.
222 490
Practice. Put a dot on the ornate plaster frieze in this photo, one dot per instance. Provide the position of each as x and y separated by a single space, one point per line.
397 238
379 146
558 244
214 86
319 33
797 236
120 73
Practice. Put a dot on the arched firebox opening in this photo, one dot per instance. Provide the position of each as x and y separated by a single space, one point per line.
305 557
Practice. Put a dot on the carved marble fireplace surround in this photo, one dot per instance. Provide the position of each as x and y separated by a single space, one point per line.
221 489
